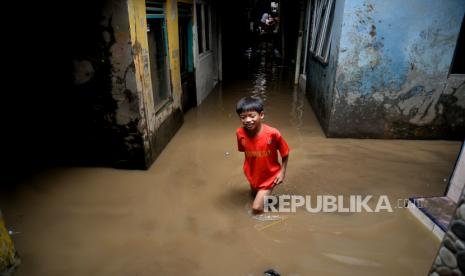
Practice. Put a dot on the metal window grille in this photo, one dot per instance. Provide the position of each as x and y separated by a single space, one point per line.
322 13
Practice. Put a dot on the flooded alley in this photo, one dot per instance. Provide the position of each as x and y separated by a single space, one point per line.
122 157
188 214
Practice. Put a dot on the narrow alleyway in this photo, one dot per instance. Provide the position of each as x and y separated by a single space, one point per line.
188 214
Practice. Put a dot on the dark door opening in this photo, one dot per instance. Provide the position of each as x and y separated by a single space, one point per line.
186 56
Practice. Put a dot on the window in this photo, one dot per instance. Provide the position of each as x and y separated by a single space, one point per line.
203 26
185 37
322 13
158 52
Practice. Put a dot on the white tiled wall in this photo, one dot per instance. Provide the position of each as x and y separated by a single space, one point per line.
426 221
458 178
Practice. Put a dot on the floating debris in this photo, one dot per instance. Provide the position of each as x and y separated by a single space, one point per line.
11 232
271 272
267 217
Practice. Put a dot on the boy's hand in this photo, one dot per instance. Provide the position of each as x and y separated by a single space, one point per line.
280 178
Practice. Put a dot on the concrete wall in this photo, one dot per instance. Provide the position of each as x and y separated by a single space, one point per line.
84 94
112 84
125 50
8 257
391 81
206 63
108 121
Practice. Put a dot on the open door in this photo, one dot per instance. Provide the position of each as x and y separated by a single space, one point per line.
186 56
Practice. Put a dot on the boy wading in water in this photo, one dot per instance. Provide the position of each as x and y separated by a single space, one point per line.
260 144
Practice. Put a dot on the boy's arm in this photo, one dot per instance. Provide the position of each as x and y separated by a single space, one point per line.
284 161
282 174
283 149
240 147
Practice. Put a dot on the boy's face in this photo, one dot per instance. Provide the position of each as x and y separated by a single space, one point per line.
251 120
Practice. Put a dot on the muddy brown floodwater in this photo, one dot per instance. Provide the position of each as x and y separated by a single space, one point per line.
188 214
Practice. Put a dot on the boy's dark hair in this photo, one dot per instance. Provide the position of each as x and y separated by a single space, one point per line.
249 104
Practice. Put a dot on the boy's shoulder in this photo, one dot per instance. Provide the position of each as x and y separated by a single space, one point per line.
270 130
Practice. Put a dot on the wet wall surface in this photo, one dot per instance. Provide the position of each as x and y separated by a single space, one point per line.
189 213
391 72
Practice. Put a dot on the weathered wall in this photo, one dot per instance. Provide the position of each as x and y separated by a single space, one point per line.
173 45
8 257
85 90
320 78
451 105
142 83
129 122
170 118
394 58
106 100
112 84
158 126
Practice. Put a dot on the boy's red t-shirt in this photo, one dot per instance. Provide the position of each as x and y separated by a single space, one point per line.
261 164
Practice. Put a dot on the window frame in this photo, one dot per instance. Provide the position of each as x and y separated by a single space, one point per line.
322 17
205 45
158 12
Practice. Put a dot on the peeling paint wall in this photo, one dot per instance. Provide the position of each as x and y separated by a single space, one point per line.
142 79
158 126
8 257
108 124
128 120
391 80
117 124
173 46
